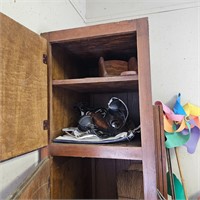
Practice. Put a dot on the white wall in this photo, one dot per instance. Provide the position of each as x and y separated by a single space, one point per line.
107 10
175 56
174 30
39 16
44 15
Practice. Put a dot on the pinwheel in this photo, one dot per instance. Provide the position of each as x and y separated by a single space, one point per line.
181 127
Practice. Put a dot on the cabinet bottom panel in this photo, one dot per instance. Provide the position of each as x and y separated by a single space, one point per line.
84 178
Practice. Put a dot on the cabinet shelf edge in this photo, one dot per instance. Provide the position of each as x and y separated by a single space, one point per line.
96 151
123 83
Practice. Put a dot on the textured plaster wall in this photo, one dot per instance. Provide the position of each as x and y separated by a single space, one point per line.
44 15
175 67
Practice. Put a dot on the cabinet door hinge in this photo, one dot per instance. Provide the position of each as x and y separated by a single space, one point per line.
44 59
45 125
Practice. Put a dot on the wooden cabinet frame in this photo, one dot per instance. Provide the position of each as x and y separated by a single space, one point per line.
97 35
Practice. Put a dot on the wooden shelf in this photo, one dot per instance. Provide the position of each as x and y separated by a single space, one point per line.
100 84
127 151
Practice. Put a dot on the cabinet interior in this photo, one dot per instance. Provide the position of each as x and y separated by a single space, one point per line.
77 60
81 56
83 178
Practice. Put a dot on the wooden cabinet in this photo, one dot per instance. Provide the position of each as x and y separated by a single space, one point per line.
61 68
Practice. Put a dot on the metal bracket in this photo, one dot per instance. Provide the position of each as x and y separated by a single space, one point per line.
45 125
44 59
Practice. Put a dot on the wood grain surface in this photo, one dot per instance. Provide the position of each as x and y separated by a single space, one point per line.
23 89
95 31
117 151
83 178
146 110
71 178
100 84
86 45
160 151
130 184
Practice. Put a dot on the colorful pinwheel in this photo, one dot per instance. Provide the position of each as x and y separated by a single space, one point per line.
182 125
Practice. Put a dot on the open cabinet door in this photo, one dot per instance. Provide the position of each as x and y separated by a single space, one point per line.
23 89
37 186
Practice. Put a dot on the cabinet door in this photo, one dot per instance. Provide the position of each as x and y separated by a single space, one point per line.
37 186
23 89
